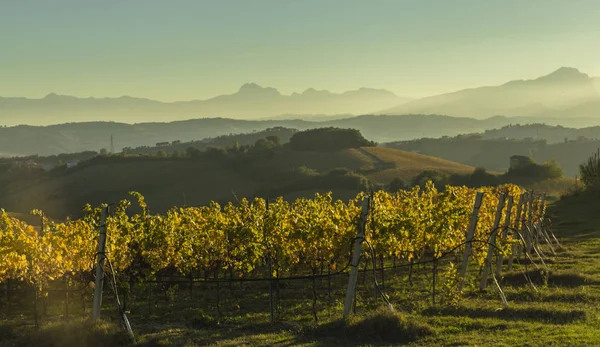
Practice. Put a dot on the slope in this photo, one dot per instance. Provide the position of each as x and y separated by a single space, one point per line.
165 183
378 164
406 165
168 182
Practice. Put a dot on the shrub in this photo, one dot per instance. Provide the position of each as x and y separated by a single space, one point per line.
589 171
440 179
535 172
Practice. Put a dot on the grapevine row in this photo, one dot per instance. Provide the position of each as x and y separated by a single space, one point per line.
299 237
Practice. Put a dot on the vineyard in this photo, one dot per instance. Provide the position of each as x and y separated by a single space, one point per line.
251 243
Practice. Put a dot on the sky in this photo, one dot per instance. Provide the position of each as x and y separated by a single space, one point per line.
195 49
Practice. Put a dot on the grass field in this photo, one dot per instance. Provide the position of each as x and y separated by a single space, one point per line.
563 312
409 165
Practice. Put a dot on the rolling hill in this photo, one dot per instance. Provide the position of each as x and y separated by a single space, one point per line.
169 182
92 136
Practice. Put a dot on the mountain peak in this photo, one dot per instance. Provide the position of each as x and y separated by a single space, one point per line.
54 96
565 73
313 91
250 86
253 88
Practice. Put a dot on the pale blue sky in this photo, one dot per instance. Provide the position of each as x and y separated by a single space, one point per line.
194 49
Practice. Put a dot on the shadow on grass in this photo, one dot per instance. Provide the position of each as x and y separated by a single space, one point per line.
561 298
215 333
77 333
538 277
381 327
511 314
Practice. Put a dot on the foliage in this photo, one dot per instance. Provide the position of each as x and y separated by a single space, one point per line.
299 237
589 171
439 178
397 184
328 140
535 172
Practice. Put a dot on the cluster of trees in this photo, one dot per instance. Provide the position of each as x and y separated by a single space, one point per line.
493 154
328 140
262 147
481 178
178 148
305 178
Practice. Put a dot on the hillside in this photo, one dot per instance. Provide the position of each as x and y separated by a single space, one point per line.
406 165
551 134
167 182
92 136
494 153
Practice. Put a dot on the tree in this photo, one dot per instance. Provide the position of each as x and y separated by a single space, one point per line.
397 184
193 152
275 140
328 140
103 152
161 154
590 171
480 177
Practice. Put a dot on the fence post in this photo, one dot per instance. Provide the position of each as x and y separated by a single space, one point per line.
544 233
270 264
516 223
523 225
488 261
469 237
500 258
356 257
100 266
530 223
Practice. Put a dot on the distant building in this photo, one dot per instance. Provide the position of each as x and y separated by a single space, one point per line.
72 164
162 144
519 162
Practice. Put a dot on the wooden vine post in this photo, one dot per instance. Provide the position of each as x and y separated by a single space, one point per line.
523 226
542 227
516 223
469 238
500 258
100 266
495 228
529 222
350 293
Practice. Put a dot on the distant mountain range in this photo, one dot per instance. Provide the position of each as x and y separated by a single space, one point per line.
565 93
251 101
